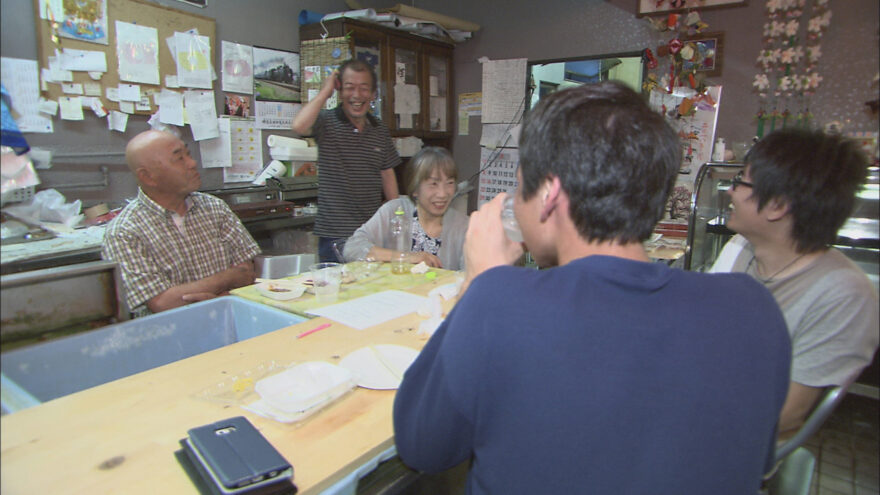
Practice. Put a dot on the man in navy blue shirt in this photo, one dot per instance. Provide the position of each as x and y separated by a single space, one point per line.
604 372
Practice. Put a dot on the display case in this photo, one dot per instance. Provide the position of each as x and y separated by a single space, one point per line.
710 206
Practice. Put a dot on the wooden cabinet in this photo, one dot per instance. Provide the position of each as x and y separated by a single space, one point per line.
416 95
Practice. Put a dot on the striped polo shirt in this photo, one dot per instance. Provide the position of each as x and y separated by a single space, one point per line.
349 171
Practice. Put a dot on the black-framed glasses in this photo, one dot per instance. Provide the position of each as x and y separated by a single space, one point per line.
738 181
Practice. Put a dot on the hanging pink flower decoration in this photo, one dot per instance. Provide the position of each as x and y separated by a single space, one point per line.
784 83
787 56
813 53
761 82
813 80
791 27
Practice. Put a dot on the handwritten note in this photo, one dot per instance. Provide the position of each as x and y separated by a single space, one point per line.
504 89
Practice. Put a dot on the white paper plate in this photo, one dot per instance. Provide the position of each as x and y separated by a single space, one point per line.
379 367
281 290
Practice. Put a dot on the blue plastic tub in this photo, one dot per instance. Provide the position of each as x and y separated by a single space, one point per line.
47 371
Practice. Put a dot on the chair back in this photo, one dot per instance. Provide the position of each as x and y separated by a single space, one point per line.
794 475
829 401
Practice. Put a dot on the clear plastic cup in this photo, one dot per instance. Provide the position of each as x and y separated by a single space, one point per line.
326 277
508 220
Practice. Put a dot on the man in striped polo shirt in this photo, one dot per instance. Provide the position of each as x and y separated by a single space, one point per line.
356 157
175 245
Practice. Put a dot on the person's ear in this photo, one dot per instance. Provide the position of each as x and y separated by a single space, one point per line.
550 196
145 177
776 209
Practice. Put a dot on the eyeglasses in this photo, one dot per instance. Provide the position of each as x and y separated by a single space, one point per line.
738 181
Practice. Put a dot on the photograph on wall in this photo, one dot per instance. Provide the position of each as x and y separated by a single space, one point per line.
276 75
237 105
85 20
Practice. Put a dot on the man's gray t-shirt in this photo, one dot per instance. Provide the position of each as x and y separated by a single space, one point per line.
831 310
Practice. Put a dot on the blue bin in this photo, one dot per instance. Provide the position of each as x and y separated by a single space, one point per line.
47 371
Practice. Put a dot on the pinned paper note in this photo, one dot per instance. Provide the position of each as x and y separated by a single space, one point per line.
193 60
137 49
72 89
48 106
112 94
126 107
92 89
71 108
143 104
129 92
98 107
171 81
83 60
170 107
117 121
202 114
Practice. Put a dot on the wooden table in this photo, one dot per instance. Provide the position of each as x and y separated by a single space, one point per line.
121 437
380 280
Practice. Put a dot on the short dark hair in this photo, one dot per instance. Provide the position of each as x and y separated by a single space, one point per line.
816 174
359 66
616 158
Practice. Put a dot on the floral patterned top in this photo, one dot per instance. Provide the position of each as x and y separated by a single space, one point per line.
421 241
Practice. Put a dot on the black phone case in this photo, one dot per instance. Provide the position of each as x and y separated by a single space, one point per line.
236 453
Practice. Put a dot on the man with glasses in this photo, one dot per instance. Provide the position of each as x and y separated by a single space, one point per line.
796 191
175 245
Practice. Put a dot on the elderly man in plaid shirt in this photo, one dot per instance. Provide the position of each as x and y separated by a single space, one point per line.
175 245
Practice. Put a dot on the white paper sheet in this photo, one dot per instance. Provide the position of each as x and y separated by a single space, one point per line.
247 151
275 114
137 49
217 152
193 60
129 92
500 136
56 73
237 68
374 309
72 88
71 108
92 89
117 121
170 107
201 113
84 60
126 107
21 79
504 90
406 99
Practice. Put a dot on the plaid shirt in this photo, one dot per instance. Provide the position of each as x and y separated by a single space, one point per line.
155 255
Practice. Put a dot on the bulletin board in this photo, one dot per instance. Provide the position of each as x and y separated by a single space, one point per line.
164 19
318 58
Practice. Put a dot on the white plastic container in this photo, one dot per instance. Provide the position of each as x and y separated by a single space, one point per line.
305 388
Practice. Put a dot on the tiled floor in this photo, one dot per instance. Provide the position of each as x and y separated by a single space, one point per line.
847 450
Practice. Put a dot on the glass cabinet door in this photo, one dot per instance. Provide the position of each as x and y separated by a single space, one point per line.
406 92
438 93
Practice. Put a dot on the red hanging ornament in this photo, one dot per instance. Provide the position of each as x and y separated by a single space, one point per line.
651 61
675 45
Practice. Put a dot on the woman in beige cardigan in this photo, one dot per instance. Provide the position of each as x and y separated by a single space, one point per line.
437 231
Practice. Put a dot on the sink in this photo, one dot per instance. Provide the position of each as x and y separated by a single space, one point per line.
284 265
43 372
